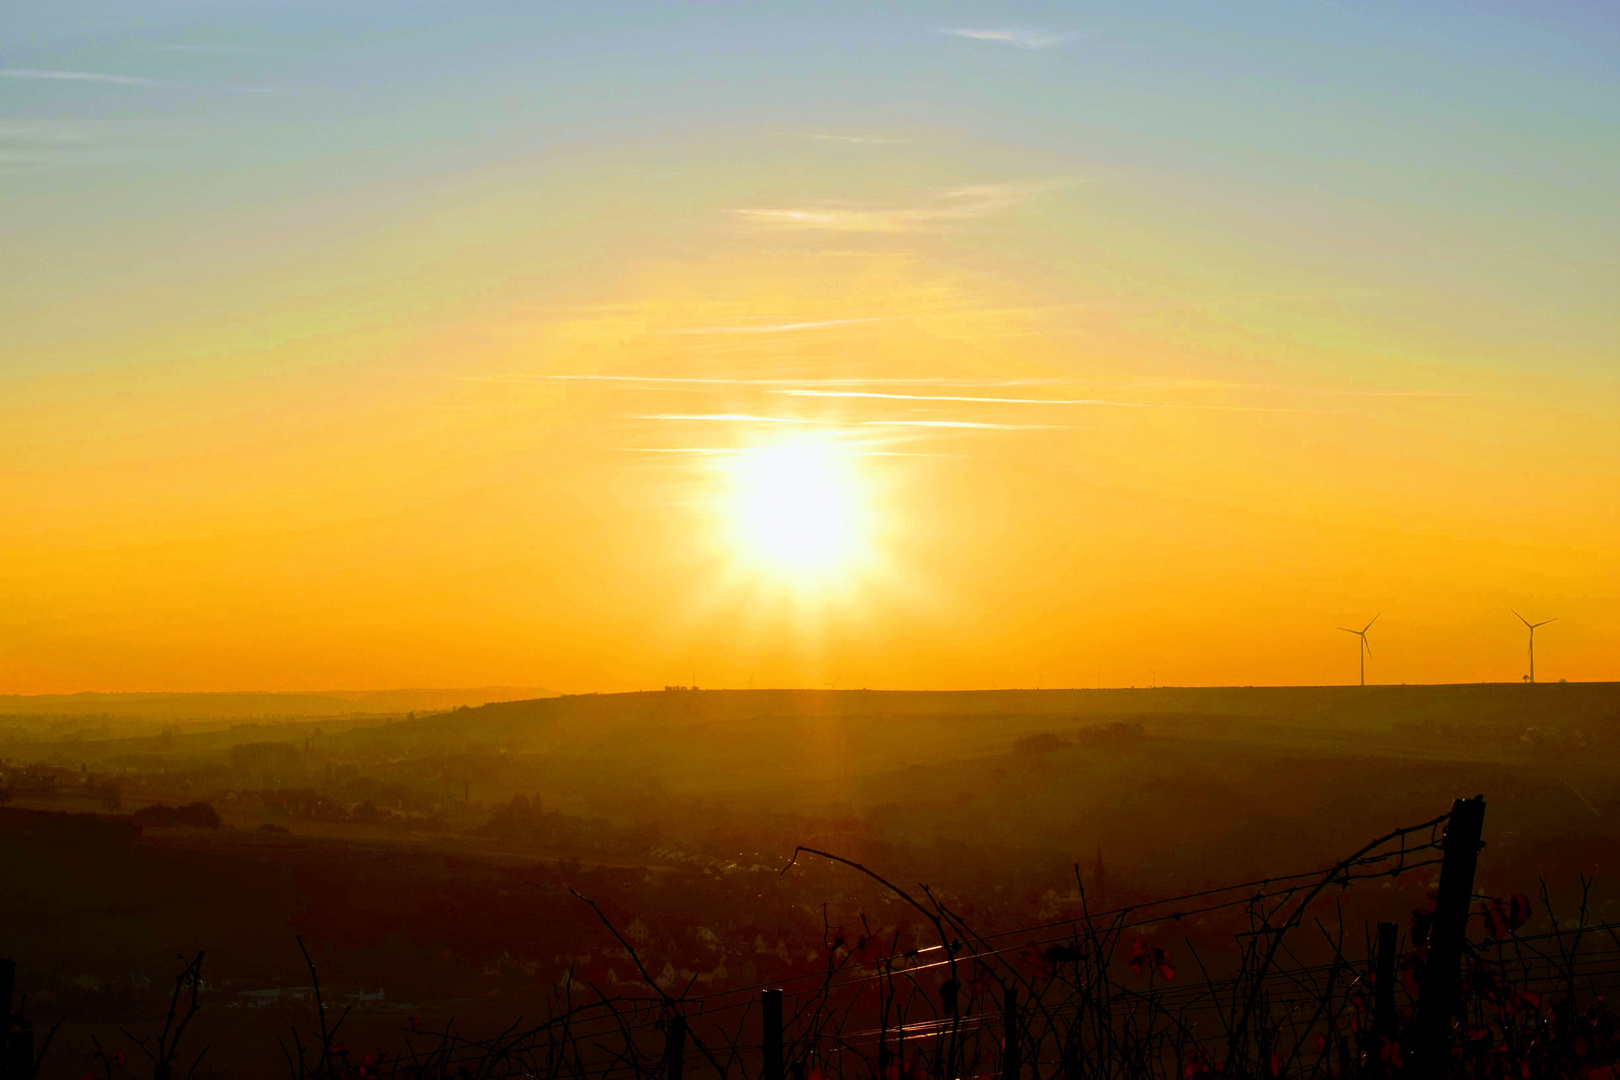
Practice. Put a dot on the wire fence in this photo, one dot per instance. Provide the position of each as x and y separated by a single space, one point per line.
1296 989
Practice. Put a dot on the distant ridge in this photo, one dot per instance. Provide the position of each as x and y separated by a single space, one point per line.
255 703
637 713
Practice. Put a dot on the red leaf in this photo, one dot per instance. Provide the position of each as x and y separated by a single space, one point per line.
1496 921
1145 957
1518 911
1038 961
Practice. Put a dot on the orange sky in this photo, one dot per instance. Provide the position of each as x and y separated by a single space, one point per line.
1093 421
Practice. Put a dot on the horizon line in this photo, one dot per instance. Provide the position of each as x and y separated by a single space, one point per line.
671 688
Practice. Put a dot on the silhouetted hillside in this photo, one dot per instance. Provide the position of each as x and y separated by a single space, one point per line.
159 706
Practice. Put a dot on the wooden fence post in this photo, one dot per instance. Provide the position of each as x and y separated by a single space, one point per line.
1442 972
1384 982
1384 1032
1010 1064
771 1044
21 1054
8 983
8 979
16 1037
675 1047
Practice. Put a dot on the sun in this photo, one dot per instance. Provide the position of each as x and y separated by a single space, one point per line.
795 507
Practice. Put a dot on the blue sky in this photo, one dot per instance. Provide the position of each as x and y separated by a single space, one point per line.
1487 129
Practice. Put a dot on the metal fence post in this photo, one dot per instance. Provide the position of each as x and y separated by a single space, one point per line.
1442 973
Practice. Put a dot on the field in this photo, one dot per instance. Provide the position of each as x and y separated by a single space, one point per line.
435 857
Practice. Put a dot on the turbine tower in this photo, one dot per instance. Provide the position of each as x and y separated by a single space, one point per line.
1365 648
1532 627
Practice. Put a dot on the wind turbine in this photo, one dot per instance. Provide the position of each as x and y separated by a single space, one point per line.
1365 648
1532 626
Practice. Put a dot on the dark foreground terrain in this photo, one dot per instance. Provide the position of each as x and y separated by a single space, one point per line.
431 862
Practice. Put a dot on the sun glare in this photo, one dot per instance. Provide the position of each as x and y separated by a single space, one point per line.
795 507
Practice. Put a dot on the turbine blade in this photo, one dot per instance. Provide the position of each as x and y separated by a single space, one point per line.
1365 644
1522 618
1543 622
1364 629
1347 630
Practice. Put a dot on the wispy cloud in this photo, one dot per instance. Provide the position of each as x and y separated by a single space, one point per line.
754 418
959 204
1101 402
773 328
964 397
31 146
744 418
1388 393
808 384
231 50
968 424
120 80
77 76
39 131
843 449
1032 40
854 140
849 388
